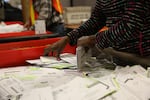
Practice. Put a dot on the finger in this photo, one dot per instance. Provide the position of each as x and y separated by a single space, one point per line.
47 50
58 55
52 53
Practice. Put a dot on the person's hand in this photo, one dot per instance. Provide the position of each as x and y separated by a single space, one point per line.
57 47
86 42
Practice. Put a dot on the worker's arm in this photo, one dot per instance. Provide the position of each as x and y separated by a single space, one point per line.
128 57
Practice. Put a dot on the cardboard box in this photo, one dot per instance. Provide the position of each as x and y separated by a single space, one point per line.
76 15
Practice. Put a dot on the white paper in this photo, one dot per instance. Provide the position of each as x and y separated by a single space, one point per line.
11 28
40 27
78 89
70 58
35 62
62 65
10 88
43 61
82 57
66 59
140 87
49 60
38 94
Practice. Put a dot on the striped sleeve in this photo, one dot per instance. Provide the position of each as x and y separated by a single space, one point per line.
127 28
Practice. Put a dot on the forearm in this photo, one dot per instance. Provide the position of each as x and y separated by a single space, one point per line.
128 57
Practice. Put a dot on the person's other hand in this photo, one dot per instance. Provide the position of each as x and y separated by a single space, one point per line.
57 47
27 25
86 41
108 51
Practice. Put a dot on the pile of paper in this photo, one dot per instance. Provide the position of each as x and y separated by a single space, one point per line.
67 61
84 89
38 94
10 88
38 83
133 84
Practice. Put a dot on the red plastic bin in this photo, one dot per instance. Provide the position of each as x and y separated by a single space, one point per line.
14 22
17 34
16 53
